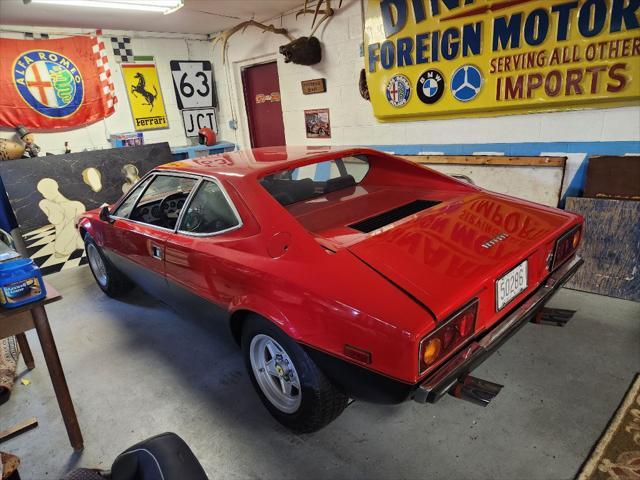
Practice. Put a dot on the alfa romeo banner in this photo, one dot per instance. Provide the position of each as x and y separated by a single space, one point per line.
442 58
52 84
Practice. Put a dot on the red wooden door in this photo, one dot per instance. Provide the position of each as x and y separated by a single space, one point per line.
262 98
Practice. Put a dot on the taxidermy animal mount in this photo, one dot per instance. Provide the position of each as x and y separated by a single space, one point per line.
301 51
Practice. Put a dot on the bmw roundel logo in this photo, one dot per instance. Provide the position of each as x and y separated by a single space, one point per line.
49 83
466 83
430 86
398 90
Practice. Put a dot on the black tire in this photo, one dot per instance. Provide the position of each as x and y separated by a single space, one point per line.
321 401
115 284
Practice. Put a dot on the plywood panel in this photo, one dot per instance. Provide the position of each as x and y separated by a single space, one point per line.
610 247
537 179
613 177
70 174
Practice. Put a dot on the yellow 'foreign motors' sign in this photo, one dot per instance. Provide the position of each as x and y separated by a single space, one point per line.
145 97
442 58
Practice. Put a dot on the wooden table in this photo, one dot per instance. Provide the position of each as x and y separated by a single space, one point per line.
16 321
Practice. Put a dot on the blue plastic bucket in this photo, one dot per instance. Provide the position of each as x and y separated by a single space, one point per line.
20 283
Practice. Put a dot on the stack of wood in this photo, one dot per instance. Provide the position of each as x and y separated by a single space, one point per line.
611 239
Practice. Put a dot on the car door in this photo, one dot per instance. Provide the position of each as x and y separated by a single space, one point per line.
199 263
141 225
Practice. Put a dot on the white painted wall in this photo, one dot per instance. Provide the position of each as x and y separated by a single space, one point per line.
164 47
352 120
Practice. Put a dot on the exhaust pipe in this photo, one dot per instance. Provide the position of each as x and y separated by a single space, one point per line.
475 390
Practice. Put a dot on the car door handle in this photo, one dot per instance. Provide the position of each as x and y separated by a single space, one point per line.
156 252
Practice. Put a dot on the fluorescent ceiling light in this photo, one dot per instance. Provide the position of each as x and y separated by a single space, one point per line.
160 6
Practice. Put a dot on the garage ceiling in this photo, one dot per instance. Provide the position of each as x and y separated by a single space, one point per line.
197 16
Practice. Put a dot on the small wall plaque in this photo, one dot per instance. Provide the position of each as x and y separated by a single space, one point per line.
317 85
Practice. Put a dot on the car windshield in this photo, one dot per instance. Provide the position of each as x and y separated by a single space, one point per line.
303 183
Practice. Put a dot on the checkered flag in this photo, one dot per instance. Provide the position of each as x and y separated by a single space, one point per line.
106 81
36 36
122 49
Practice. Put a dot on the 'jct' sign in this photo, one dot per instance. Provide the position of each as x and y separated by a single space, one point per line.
196 119
442 58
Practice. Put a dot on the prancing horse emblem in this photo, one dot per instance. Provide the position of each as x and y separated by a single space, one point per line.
140 89
494 240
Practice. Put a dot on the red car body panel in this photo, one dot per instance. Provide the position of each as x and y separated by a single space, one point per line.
327 285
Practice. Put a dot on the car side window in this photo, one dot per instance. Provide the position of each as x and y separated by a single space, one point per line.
209 211
124 209
163 200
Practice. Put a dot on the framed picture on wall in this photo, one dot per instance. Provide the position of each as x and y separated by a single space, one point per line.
317 123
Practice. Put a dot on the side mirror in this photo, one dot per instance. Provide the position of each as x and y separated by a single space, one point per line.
105 214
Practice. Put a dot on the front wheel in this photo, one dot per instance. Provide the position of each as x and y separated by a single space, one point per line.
109 279
289 383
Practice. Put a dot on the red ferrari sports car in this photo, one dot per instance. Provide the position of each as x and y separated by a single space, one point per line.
343 273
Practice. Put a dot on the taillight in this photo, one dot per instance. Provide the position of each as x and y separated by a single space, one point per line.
449 336
566 246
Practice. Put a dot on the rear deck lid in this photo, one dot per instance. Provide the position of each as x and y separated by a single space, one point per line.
438 256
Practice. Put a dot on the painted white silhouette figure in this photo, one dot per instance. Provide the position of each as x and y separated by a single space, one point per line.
131 176
92 177
61 213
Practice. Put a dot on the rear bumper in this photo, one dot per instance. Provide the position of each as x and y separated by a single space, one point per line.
441 381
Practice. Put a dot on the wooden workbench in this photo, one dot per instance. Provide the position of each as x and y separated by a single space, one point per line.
16 322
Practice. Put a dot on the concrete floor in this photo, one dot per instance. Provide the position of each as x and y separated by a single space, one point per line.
135 368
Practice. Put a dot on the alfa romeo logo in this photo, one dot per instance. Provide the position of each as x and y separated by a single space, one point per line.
466 83
49 83
398 90
430 86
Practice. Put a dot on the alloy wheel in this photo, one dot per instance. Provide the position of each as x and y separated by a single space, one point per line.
97 264
275 373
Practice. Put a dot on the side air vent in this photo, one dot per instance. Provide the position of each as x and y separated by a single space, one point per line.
385 218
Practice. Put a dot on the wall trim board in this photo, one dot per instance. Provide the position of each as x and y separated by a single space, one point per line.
488 160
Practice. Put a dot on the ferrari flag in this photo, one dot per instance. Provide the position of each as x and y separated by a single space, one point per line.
53 84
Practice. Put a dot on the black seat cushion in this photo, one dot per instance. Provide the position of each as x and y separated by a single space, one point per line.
163 457
289 191
339 183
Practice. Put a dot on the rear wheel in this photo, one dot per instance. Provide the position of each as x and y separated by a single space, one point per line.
108 278
288 382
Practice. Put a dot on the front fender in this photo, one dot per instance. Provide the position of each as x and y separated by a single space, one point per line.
91 224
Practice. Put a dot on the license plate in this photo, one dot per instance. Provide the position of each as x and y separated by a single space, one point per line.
510 285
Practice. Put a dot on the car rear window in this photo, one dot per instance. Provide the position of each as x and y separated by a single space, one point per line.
303 183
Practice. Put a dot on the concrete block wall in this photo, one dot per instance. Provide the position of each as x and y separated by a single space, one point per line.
574 133
577 134
352 119
164 47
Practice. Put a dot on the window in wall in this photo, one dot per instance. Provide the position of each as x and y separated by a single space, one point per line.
209 211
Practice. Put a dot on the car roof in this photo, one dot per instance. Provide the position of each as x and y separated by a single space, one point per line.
258 162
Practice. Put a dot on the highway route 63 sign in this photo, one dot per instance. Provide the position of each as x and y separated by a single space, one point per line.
193 83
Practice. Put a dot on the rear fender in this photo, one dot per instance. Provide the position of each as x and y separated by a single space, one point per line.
245 305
